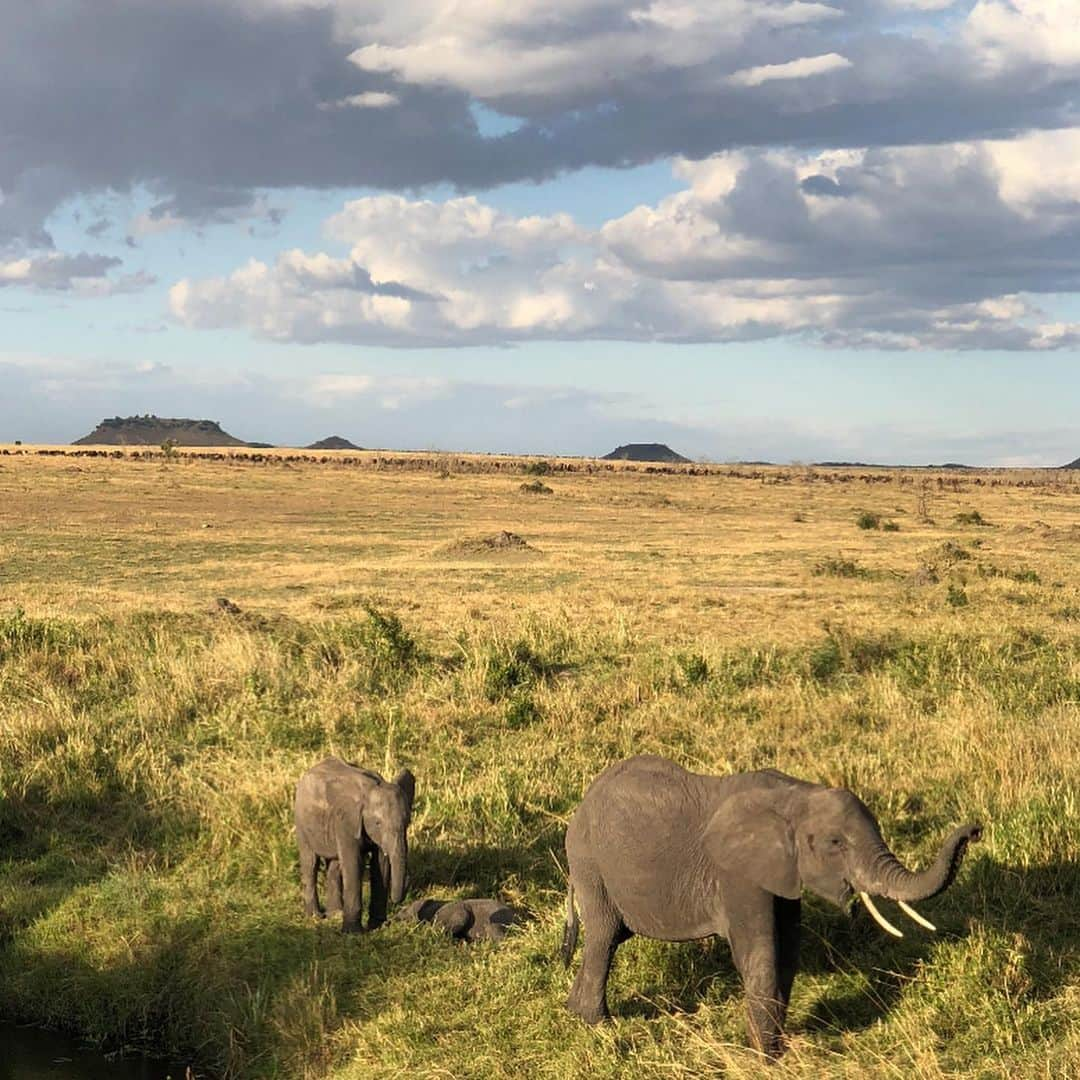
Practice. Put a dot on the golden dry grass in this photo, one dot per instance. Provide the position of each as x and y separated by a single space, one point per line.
730 618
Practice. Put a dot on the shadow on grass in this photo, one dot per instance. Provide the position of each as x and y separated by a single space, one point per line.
1038 903
54 843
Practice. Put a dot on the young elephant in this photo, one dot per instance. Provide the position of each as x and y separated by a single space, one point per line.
343 816
669 854
466 920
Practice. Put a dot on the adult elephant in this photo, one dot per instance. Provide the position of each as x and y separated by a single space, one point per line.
669 854
344 817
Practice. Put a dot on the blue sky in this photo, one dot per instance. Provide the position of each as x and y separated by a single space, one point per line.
749 228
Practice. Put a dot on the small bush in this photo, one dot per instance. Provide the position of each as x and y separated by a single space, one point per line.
693 667
535 487
521 712
836 567
890 526
537 468
868 520
956 597
511 669
970 517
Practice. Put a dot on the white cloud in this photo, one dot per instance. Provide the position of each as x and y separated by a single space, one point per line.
934 246
1008 33
802 68
370 99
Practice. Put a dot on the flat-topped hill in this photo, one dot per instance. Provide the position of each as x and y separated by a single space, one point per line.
154 430
650 451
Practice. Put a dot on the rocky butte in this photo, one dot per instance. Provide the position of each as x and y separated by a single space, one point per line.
151 430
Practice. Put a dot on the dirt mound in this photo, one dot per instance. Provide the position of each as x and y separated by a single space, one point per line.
154 430
645 452
500 543
333 442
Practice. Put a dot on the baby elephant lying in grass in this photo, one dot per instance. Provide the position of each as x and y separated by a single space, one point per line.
466 920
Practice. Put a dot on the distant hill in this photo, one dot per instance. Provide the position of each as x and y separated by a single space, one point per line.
1072 464
333 442
645 451
880 465
154 430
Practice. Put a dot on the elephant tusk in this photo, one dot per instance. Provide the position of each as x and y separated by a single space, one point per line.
911 913
878 917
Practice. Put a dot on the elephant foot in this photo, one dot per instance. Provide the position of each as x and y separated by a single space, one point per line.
352 927
591 1014
313 911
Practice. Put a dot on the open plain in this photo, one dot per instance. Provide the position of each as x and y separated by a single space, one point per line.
912 635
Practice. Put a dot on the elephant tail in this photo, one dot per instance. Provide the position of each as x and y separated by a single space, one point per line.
570 929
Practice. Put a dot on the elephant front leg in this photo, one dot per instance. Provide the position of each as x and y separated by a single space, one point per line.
754 947
351 888
380 884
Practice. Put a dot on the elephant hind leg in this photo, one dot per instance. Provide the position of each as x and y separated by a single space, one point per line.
333 886
604 930
309 868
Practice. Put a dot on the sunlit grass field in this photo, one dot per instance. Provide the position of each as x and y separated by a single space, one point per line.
911 635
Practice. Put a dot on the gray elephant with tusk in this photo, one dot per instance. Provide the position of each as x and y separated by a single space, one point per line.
669 854
344 817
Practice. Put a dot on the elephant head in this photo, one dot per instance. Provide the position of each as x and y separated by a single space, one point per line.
787 835
385 818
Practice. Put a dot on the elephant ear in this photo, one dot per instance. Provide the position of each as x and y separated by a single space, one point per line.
407 782
755 843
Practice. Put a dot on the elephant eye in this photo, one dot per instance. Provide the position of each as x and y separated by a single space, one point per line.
836 843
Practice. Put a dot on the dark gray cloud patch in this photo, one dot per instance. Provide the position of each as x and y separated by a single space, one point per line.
206 102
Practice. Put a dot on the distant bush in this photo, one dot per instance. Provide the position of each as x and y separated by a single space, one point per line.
956 596
970 517
890 526
537 468
693 667
513 668
521 712
837 567
535 487
868 520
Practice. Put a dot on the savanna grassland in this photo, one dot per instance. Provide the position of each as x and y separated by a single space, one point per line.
914 636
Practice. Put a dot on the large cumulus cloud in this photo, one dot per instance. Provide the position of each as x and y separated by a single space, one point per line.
947 246
205 101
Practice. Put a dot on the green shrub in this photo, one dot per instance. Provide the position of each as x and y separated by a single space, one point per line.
537 468
693 667
890 526
868 520
535 487
956 596
970 517
838 567
513 668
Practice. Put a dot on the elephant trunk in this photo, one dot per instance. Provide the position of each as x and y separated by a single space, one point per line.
888 877
397 856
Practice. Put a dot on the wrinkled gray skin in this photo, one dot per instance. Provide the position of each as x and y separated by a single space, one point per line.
467 920
344 817
669 854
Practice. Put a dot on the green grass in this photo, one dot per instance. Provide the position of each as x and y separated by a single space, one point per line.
149 746
148 881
